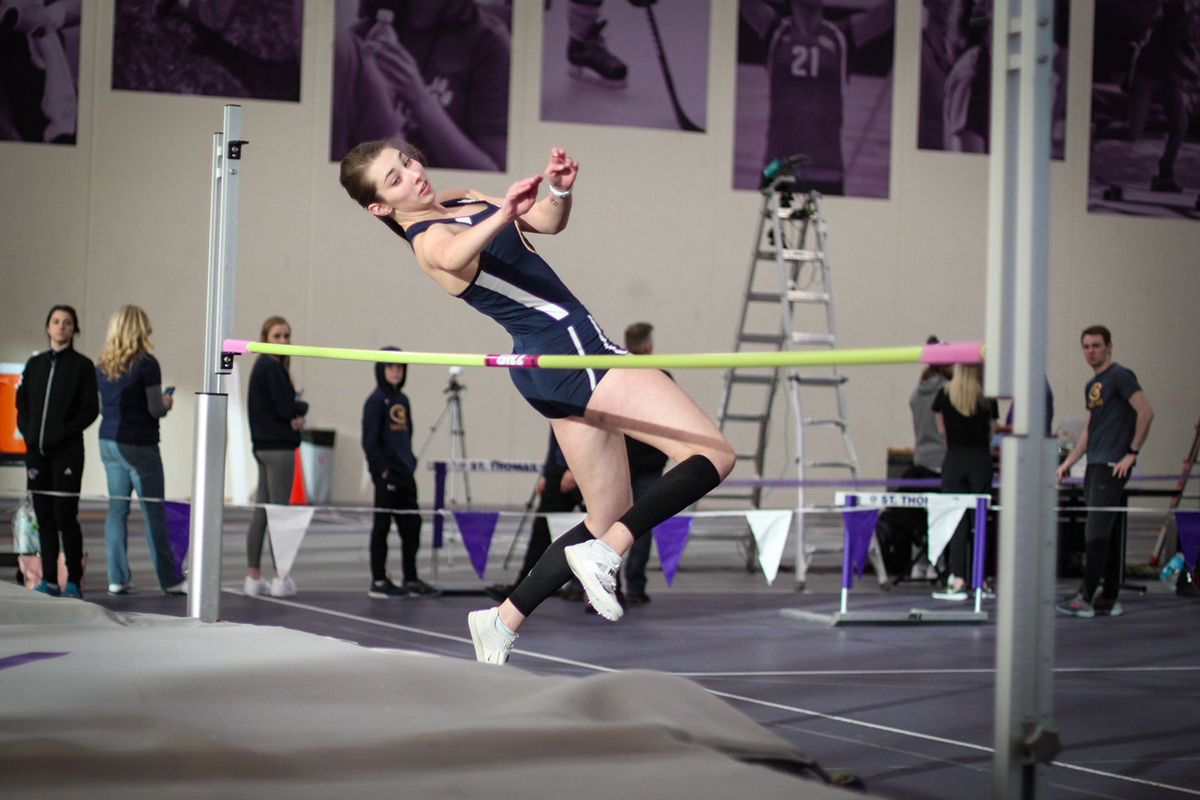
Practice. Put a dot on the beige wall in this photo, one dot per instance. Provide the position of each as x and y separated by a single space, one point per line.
656 234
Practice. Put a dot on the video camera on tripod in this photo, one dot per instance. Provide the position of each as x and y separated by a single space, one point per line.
784 174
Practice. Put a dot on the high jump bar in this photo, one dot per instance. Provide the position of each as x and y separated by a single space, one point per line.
932 354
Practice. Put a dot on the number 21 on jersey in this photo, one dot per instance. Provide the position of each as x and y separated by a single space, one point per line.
806 61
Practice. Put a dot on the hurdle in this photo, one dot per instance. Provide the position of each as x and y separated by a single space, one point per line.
860 500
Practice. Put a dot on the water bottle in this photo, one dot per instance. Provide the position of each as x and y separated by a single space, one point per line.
383 29
1171 570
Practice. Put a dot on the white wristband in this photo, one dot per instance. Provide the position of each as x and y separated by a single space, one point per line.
558 192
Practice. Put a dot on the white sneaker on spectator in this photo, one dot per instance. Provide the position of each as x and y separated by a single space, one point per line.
283 587
256 586
121 588
492 644
596 565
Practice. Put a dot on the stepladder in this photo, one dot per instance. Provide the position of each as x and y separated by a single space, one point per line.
788 305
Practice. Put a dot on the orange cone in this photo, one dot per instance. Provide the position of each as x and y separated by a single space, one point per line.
298 498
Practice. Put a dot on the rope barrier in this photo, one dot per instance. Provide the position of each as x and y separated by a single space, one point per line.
449 512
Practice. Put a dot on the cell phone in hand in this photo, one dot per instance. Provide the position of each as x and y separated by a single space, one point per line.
170 390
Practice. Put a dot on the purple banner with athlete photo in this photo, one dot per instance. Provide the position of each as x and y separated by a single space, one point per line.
815 81
435 74
642 63
956 77
242 48
39 70
1145 148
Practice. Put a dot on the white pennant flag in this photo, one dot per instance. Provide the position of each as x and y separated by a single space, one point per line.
944 515
287 526
561 523
770 529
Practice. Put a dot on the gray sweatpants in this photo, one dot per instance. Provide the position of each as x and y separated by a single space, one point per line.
276 469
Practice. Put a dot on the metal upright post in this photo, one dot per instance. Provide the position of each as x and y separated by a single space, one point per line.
208 473
1024 737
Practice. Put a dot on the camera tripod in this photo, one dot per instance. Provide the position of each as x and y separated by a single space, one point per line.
452 410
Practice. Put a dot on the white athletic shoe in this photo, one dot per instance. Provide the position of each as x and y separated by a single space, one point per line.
283 587
121 588
596 567
256 586
492 645
177 588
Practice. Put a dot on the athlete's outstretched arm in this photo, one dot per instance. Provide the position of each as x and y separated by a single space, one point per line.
551 213
453 249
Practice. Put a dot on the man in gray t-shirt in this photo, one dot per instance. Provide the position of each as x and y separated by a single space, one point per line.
1118 422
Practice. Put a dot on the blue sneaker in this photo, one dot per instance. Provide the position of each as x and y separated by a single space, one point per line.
51 589
72 590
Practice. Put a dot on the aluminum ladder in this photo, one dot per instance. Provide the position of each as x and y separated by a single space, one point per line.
788 305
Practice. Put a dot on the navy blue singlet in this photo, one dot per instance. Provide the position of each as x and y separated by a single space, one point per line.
517 288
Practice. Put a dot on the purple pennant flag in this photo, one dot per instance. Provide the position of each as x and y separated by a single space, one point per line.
179 524
476 528
670 537
1188 523
860 524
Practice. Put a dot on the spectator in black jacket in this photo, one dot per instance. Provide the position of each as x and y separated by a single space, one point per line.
276 416
646 464
56 401
387 442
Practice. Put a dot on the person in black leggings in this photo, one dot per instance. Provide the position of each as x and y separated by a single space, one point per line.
968 420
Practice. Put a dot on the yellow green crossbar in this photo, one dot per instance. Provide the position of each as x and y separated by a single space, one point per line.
945 353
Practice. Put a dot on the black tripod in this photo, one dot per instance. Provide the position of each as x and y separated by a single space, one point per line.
452 409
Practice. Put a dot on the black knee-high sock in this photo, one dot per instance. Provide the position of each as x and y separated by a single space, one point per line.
549 573
670 494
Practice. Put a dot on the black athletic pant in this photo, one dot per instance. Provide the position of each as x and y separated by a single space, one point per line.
1102 562
57 515
398 493
553 500
966 470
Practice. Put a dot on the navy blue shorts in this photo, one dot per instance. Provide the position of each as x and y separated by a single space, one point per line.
558 393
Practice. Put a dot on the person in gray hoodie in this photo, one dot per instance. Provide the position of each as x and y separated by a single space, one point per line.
387 443
929 445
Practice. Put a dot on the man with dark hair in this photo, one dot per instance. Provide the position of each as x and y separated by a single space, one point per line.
1118 422
56 401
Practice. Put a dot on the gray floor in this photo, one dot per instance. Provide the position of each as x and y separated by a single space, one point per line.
908 708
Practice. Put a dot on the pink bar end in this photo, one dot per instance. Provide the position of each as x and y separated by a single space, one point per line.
946 353
237 346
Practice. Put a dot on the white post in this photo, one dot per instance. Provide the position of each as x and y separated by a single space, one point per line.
208 473
1024 738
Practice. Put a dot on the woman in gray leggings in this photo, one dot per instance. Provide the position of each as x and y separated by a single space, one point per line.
276 415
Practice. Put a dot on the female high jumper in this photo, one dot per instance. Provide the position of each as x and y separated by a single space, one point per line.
474 247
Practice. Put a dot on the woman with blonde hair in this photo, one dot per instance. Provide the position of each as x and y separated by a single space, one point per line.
968 421
276 415
132 402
